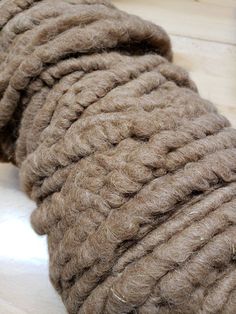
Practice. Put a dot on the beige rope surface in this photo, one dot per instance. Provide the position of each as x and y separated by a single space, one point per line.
132 171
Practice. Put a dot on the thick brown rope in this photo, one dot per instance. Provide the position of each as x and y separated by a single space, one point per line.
133 173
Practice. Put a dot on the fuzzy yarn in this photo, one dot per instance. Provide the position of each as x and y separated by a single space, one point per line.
133 173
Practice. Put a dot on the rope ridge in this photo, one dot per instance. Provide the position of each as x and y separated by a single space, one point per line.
133 173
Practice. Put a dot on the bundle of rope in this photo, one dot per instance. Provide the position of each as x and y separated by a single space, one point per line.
133 173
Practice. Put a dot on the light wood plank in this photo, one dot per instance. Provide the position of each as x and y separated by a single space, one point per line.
8 308
213 67
196 19
225 3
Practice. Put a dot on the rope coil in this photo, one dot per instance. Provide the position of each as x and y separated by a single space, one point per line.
132 171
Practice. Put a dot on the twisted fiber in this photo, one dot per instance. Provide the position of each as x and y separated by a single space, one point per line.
132 171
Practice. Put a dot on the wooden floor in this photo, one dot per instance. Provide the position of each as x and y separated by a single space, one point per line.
203 34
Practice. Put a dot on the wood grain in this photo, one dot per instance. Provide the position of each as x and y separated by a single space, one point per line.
213 67
206 19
